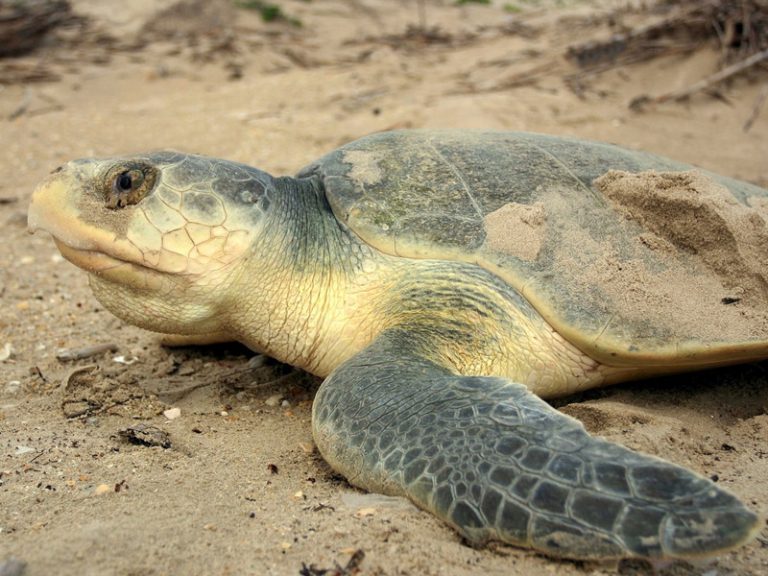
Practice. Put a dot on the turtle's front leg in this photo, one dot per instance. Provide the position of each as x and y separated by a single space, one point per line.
497 462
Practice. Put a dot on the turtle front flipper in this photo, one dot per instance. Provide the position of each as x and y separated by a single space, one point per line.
496 462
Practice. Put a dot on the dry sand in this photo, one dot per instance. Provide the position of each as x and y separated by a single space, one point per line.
713 252
242 490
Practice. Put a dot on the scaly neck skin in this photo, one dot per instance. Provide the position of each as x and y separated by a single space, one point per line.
303 295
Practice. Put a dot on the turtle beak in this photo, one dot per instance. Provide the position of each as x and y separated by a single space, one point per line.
54 208
50 196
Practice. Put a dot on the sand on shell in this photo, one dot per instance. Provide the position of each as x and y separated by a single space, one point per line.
721 293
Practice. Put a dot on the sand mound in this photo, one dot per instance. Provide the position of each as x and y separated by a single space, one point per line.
722 284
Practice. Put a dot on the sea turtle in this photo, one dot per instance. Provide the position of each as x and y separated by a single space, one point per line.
443 282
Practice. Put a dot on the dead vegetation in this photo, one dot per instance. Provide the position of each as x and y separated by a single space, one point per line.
23 25
34 34
739 30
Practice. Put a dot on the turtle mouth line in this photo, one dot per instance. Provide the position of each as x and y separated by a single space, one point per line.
98 262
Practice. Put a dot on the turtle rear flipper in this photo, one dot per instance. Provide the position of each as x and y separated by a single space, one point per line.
496 462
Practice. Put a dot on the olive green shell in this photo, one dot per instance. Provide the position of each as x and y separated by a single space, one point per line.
526 207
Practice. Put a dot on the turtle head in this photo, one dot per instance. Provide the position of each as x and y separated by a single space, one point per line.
160 234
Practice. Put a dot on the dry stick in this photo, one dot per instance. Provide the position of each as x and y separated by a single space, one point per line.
704 84
68 355
761 98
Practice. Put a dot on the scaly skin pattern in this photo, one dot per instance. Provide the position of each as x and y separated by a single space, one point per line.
497 462
433 366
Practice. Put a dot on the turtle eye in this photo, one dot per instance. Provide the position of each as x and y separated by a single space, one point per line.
128 185
124 182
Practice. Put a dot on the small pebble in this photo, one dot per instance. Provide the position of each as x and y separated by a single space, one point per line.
6 352
172 413
285 404
123 360
299 495
274 400
365 512
13 387
224 413
102 489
